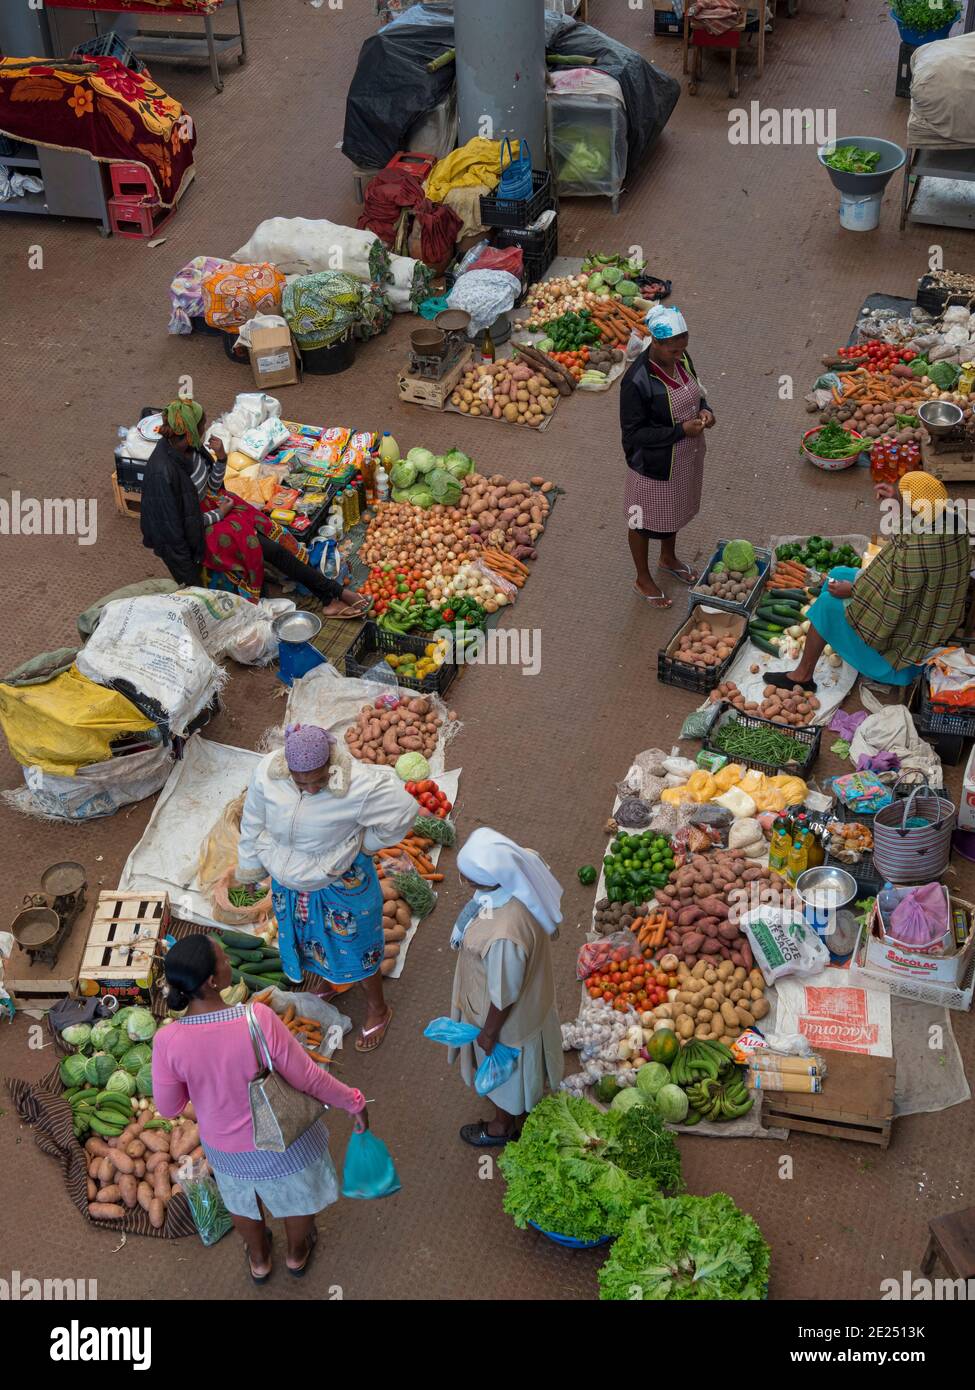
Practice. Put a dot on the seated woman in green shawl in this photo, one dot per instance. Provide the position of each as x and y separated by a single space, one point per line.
885 619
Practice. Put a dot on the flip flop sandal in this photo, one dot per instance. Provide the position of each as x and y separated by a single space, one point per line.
300 1273
685 574
477 1135
660 601
379 1028
347 615
783 681
259 1278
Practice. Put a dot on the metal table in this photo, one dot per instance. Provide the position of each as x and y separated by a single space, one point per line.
935 163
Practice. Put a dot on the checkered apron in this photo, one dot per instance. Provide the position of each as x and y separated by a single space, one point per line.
668 506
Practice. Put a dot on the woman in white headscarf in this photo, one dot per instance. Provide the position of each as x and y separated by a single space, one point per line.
504 983
663 416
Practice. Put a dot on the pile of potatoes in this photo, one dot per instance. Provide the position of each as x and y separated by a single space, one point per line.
506 390
383 732
612 917
702 646
732 586
139 1168
877 420
796 707
706 898
712 999
396 923
506 513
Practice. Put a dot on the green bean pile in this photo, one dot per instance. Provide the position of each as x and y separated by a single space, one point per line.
246 897
759 744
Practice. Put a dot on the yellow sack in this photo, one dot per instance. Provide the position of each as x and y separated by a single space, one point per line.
65 723
676 796
479 161
729 776
701 786
793 788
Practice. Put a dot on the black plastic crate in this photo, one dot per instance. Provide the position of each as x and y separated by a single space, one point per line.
868 881
199 325
519 212
763 559
811 735
374 640
130 472
902 87
935 298
539 249
109 45
930 720
699 679
666 24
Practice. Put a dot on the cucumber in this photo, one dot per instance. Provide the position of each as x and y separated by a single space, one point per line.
248 957
238 941
766 628
762 644
786 596
258 982
788 610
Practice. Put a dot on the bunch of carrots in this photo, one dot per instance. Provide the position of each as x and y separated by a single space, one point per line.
414 847
308 1031
651 930
869 387
616 321
788 574
505 565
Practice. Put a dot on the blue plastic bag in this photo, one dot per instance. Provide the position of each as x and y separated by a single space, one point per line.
368 1170
497 1066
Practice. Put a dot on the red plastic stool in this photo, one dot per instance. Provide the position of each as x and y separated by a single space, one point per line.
131 181
419 165
130 218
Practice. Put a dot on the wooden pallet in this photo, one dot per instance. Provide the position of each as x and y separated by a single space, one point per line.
42 986
121 953
856 1102
127 503
434 394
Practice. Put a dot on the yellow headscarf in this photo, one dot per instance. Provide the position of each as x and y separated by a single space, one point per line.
922 487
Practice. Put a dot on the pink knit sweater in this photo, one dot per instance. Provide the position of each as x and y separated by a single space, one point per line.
210 1064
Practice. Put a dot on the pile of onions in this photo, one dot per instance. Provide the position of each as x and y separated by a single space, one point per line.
433 540
551 298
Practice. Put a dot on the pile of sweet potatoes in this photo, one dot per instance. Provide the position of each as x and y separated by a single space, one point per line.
383 731
138 1168
706 896
396 923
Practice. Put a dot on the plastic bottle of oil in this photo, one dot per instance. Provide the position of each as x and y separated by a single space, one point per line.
798 861
780 843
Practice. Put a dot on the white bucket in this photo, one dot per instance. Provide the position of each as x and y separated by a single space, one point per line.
860 214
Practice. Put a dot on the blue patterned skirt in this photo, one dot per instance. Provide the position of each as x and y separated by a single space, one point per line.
335 932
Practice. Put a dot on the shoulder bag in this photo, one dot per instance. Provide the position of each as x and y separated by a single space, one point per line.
279 1113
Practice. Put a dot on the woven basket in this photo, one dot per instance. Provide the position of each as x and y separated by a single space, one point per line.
913 854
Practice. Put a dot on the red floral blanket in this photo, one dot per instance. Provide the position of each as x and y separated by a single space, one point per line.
138 6
113 115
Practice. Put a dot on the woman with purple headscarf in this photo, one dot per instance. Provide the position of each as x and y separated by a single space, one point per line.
312 819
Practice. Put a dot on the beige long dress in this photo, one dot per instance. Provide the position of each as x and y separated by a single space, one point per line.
506 959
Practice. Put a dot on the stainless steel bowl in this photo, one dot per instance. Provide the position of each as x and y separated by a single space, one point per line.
826 885
940 417
296 627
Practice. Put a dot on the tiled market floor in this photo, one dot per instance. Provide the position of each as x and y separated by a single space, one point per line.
768 281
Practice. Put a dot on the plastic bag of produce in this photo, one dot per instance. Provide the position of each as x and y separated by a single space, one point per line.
229 913
497 1066
210 1216
369 1170
782 943
334 1025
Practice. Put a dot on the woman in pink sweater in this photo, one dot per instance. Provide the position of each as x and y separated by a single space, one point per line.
207 1057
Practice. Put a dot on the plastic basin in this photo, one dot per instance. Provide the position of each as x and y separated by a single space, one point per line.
829 465
892 158
917 37
569 1242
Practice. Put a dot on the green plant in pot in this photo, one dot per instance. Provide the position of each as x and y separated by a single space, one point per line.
917 18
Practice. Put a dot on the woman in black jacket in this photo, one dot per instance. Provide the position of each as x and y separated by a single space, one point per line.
188 520
663 416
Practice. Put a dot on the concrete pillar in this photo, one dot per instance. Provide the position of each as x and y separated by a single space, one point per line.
501 70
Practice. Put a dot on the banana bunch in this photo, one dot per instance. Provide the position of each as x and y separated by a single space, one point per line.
720 1100
105 1113
701 1059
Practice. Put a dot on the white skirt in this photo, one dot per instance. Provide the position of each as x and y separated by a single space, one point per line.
300 1194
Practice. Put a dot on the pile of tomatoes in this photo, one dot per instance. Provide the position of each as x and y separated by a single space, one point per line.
575 362
630 982
386 583
880 357
431 798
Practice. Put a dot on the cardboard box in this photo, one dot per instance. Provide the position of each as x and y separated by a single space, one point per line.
274 357
966 805
721 622
946 969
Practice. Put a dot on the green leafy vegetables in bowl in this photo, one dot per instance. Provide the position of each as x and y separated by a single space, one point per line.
834 442
851 159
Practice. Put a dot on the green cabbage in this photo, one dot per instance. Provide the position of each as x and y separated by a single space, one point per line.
99 1068
123 1015
399 495
739 555
422 460
650 1077
627 289
122 1082
686 1248
143 1080
624 1100
944 375
103 1032
72 1070
420 495
671 1103
458 463
140 1025
403 474
120 1043
136 1057
77 1034
412 767
444 487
